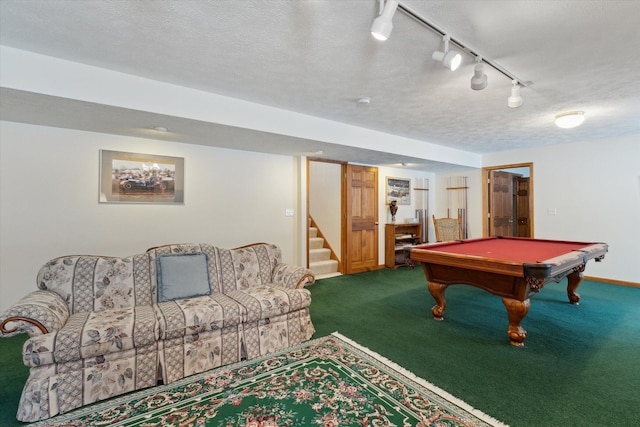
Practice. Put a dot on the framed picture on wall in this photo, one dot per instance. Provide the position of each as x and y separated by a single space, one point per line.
398 189
140 178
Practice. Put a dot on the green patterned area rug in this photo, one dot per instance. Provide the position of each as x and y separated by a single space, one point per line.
329 381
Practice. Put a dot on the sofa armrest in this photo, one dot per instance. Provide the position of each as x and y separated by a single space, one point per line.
40 312
292 276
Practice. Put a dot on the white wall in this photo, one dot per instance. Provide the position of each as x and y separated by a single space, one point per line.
49 201
595 189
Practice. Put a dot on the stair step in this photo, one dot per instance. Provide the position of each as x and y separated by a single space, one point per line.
316 243
319 254
324 267
313 232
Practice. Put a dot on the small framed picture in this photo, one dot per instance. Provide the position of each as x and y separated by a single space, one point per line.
398 189
140 178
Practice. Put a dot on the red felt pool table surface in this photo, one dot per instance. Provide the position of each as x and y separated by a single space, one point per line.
509 249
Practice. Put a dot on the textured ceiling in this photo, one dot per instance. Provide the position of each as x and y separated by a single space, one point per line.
318 58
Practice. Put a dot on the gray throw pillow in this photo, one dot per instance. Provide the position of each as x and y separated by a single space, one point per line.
182 276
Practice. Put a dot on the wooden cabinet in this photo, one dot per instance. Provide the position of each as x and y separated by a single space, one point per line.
397 237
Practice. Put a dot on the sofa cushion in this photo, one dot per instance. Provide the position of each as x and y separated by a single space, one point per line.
229 269
92 334
270 301
192 316
95 283
248 266
182 276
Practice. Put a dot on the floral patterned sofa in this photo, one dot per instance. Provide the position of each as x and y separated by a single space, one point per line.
103 326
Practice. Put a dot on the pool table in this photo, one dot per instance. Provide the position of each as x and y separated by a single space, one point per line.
511 267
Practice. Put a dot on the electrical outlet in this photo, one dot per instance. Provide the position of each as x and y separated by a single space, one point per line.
551 211
288 212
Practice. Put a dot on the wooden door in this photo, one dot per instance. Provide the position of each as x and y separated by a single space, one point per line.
522 200
501 203
362 219
522 207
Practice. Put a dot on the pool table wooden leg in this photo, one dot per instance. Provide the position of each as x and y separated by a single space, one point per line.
516 310
574 280
437 292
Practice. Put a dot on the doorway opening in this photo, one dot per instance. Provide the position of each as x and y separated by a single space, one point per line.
342 202
507 200
326 210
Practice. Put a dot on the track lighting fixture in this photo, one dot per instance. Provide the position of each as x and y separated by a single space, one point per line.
382 25
569 120
479 79
449 58
515 100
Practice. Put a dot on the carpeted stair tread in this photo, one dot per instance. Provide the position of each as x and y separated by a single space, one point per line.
320 261
316 243
321 254
324 267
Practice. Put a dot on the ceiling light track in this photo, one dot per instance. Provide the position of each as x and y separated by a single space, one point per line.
461 45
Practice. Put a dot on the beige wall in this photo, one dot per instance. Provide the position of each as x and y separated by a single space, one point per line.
49 185
594 188
49 201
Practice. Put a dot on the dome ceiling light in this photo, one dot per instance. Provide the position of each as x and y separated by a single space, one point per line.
569 120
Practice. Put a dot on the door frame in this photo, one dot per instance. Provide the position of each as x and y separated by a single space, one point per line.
343 209
485 194
344 254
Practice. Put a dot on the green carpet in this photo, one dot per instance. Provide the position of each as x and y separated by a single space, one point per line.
330 381
13 375
580 365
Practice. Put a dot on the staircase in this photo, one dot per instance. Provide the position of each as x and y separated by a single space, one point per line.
320 261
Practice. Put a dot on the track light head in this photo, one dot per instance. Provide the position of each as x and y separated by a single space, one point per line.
515 100
479 79
449 59
383 25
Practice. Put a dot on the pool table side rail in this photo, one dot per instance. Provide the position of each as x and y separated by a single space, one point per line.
550 267
471 262
562 263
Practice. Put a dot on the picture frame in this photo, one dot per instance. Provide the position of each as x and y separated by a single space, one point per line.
398 189
140 178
